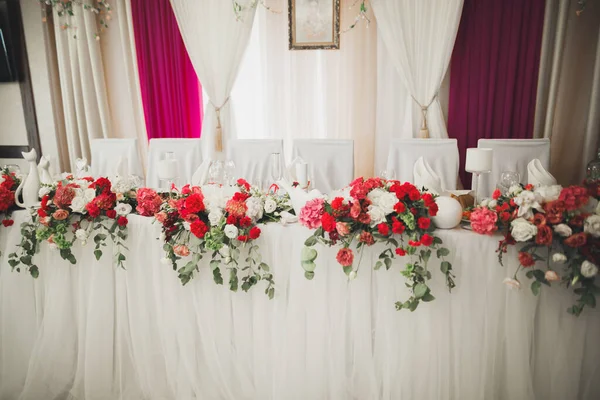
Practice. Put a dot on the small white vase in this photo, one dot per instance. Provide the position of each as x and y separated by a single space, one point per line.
30 186
449 213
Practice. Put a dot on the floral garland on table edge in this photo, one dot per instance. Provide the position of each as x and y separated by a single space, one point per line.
559 221
194 224
376 210
75 209
65 8
9 182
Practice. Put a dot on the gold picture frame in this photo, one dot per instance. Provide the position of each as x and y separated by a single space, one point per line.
314 24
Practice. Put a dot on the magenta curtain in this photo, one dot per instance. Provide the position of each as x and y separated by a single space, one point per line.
494 72
171 93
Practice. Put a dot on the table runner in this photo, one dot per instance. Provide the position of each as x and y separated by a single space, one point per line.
91 331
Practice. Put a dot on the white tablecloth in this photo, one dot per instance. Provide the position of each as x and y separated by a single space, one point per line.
91 331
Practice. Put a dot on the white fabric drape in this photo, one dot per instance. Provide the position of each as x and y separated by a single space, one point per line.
310 94
215 39
416 39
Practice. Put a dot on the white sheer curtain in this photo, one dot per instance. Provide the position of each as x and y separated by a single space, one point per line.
215 38
416 39
310 93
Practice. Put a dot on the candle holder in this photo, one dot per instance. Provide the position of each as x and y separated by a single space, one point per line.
479 161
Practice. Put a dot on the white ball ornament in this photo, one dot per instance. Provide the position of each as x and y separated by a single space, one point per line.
449 213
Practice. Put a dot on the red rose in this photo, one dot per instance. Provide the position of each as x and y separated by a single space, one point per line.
578 220
414 243
383 229
337 203
198 228
529 186
398 227
122 221
364 218
426 240
93 210
254 232
544 235
526 259
424 223
243 183
345 257
194 203
496 195
433 209
576 240
554 211
428 199
399 207
328 222
414 195
539 219
400 251
231 220
111 213
7 222
366 238
245 222
242 238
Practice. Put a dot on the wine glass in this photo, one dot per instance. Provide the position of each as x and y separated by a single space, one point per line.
13 169
507 180
216 172
388 174
276 170
229 172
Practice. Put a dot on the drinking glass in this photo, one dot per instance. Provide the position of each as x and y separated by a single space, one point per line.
216 172
508 179
13 169
230 177
388 174
276 170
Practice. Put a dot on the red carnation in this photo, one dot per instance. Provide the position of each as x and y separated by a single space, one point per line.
414 195
254 232
7 222
400 251
243 183
526 259
504 216
398 227
111 213
245 222
426 240
337 203
194 203
428 199
366 238
364 218
93 210
424 223
242 238
198 228
231 220
414 243
122 221
383 229
239 196
8 182
399 207
433 209
42 213
328 222
345 257
544 235
7 199
103 184
496 195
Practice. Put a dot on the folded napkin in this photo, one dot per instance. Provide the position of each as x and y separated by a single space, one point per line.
291 169
537 174
425 176
287 218
81 167
200 176
298 196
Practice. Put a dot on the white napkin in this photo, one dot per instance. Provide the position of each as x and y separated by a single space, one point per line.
299 197
537 174
425 176
81 167
201 174
287 218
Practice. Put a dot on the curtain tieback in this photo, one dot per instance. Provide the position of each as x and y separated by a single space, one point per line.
219 129
424 133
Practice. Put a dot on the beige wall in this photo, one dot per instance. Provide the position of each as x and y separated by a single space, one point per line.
12 120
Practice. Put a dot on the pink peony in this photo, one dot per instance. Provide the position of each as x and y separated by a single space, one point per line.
310 215
148 202
345 257
483 221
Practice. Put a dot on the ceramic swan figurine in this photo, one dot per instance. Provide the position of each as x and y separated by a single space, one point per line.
44 168
30 186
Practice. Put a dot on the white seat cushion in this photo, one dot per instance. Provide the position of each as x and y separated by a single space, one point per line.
187 151
440 154
109 155
252 158
330 162
512 155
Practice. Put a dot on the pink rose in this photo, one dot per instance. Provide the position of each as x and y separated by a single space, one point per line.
60 215
345 257
161 217
181 250
483 221
552 276
342 228
310 215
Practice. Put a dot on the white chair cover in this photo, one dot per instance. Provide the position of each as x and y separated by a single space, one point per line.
440 154
115 157
330 162
252 158
187 151
512 155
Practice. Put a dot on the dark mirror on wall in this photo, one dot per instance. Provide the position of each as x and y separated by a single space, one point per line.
8 54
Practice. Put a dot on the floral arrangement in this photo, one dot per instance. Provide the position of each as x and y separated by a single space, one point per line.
9 182
556 225
219 222
77 209
66 8
378 211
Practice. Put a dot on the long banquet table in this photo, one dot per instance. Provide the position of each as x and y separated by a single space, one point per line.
92 331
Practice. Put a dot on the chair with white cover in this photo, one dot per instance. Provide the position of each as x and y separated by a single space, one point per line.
330 162
112 157
440 154
252 158
512 155
187 151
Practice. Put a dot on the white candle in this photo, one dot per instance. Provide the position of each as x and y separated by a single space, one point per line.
168 169
479 160
302 174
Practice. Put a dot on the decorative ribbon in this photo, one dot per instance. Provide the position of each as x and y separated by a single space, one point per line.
273 188
219 129
424 129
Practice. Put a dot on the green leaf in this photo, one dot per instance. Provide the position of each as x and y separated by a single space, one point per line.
388 263
264 267
425 255
98 254
34 271
309 266
420 290
309 275
378 265
214 264
442 252
535 287
347 270
437 240
308 254
311 241
529 274
271 293
26 260
446 267
233 280
99 238
589 300
428 297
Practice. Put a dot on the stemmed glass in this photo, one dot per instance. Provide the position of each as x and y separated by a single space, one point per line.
388 174
276 170
229 172
507 180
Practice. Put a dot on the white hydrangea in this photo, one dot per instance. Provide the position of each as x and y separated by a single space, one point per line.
255 208
122 184
214 216
377 214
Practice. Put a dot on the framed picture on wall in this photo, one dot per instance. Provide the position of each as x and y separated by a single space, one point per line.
314 24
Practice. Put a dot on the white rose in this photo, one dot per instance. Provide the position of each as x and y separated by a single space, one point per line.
527 201
592 225
81 234
270 205
588 269
563 230
484 202
377 215
255 208
214 216
78 205
549 193
492 204
225 251
383 199
515 189
231 231
512 283
123 209
559 258
44 190
522 230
